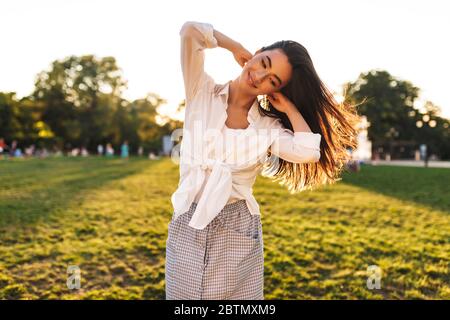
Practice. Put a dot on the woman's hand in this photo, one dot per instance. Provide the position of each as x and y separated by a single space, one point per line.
280 102
241 55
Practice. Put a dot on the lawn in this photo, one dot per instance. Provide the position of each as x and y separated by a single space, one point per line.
110 216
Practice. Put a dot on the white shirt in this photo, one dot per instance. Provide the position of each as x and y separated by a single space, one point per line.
213 167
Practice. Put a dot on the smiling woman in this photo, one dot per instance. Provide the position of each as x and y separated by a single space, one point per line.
261 71
293 94
214 248
284 73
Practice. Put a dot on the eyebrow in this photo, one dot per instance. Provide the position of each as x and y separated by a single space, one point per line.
270 64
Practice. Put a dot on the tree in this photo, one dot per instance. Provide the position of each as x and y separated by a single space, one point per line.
18 119
388 104
387 109
78 103
81 95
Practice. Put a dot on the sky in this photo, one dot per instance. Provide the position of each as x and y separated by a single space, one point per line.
408 38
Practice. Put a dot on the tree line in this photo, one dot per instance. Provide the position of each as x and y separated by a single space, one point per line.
79 103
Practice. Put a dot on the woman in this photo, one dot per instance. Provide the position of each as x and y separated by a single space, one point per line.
297 134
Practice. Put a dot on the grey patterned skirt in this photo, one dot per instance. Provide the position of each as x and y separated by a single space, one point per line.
223 261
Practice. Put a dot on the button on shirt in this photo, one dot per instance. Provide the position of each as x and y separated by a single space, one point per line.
213 167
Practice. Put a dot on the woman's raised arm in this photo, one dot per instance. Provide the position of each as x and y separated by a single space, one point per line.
195 37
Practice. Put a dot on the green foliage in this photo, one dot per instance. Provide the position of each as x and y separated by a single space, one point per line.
389 105
110 217
78 102
18 118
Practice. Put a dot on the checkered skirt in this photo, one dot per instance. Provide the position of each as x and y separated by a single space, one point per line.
224 261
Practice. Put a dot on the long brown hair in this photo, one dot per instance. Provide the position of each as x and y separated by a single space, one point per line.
336 122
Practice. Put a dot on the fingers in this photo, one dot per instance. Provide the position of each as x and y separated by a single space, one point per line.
277 95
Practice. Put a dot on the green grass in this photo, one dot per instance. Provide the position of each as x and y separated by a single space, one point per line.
110 216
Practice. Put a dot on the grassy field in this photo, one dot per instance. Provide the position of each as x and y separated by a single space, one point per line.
110 218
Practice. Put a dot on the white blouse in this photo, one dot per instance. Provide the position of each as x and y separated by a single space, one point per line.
218 164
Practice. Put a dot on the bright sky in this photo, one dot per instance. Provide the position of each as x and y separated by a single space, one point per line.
344 38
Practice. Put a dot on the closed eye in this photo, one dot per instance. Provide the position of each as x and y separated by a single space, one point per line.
264 65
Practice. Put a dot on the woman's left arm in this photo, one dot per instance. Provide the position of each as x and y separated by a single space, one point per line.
296 147
300 145
298 122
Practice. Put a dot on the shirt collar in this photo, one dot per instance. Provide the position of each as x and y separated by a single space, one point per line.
224 89
253 113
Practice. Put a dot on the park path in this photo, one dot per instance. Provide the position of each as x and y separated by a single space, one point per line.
411 163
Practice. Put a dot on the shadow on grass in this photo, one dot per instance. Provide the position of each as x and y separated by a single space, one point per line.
36 188
426 186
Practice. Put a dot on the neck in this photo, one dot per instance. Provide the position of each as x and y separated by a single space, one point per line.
238 98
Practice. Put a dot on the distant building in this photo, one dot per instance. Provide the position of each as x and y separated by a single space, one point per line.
167 145
364 150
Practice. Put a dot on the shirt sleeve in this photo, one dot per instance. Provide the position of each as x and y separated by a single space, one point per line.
195 37
296 147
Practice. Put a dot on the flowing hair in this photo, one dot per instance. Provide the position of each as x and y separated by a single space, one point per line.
336 122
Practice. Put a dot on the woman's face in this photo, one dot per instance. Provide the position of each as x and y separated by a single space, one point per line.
267 72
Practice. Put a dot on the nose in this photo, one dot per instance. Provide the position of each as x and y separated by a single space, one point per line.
259 76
